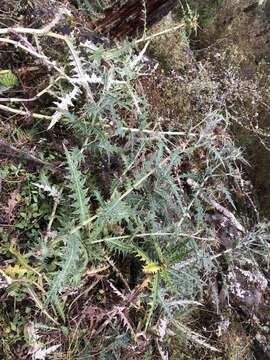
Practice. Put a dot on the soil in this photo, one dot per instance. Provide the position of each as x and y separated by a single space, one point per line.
243 31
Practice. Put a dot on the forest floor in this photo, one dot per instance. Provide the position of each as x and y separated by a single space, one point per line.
131 225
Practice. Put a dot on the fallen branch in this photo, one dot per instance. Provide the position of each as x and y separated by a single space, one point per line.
11 151
24 113
48 117
25 45
31 50
154 132
34 98
46 30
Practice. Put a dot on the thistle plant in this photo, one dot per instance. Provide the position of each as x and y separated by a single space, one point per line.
131 237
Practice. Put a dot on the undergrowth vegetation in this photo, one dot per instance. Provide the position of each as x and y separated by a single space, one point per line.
119 229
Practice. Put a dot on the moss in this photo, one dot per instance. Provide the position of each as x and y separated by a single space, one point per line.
237 343
170 50
206 10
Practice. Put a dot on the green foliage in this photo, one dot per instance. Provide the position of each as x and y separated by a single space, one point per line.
122 235
8 79
76 185
68 267
206 10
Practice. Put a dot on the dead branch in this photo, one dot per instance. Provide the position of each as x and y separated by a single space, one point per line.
11 151
24 113
132 17
221 209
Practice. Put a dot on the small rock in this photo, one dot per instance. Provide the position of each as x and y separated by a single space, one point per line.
246 288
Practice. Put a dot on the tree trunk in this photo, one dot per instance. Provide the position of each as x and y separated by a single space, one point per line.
129 19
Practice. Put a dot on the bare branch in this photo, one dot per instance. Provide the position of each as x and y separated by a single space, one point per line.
14 152
221 209
25 113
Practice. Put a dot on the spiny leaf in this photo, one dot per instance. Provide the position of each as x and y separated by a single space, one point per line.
45 185
142 255
77 184
151 268
17 271
63 105
81 76
68 266
153 301
120 246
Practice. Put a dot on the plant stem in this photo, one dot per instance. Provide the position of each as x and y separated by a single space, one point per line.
24 113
